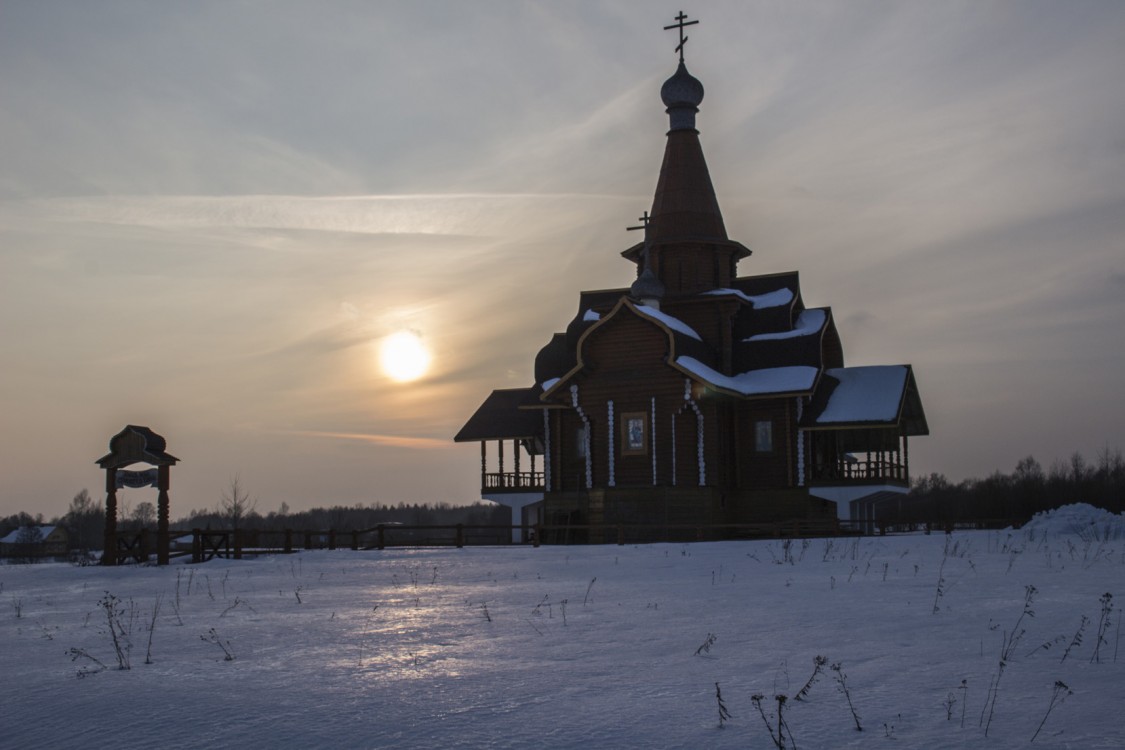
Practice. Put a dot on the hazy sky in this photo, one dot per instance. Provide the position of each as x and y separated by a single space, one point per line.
210 214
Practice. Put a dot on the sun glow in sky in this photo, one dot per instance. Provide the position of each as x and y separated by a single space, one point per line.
403 356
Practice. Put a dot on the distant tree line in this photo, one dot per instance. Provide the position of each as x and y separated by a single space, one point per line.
1014 497
85 518
1018 496
350 518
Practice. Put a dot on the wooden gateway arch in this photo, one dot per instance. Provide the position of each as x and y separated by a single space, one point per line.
133 445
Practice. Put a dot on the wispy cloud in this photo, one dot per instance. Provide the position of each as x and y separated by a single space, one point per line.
387 441
464 214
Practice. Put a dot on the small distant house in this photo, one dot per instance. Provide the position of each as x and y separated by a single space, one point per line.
35 541
696 396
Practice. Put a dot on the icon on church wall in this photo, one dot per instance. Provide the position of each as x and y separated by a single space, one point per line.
634 433
763 436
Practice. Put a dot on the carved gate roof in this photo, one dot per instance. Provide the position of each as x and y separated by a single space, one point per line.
136 444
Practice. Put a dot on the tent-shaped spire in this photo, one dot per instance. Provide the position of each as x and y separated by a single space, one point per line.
684 206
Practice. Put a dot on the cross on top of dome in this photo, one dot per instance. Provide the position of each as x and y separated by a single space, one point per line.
681 22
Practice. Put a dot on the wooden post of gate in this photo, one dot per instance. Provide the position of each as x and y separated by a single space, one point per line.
288 541
460 539
536 535
332 539
355 539
109 550
196 546
308 540
382 542
163 540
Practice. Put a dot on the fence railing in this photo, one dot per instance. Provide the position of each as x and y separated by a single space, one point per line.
234 544
207 544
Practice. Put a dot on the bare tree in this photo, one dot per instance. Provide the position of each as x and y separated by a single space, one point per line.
86 521
236 504
144 515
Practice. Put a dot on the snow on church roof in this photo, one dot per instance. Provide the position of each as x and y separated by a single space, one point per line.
808 322
864 394
772 380
675 324
776 298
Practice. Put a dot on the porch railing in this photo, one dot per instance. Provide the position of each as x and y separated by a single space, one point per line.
861 470
513 481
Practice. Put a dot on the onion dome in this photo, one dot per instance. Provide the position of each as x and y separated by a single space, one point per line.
682 94
647 289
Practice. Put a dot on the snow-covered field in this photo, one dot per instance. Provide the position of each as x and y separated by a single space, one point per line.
592 647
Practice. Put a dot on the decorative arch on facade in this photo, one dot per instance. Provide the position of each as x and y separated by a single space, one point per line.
687 408
586 435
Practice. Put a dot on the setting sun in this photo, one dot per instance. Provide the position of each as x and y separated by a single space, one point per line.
403 356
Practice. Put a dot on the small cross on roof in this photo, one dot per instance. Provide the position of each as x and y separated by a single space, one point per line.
644 219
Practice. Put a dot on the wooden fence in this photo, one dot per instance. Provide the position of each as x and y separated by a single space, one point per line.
206 544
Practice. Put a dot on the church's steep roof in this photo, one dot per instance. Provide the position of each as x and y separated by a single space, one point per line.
684 206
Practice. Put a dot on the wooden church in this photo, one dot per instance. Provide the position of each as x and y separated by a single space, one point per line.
695 396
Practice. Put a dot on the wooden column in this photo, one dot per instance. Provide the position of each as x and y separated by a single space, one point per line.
516 448
163 542
483 464
905 459
109 550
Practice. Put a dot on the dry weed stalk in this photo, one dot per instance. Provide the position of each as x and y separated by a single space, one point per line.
842 681
724 714
818 665
1061 691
